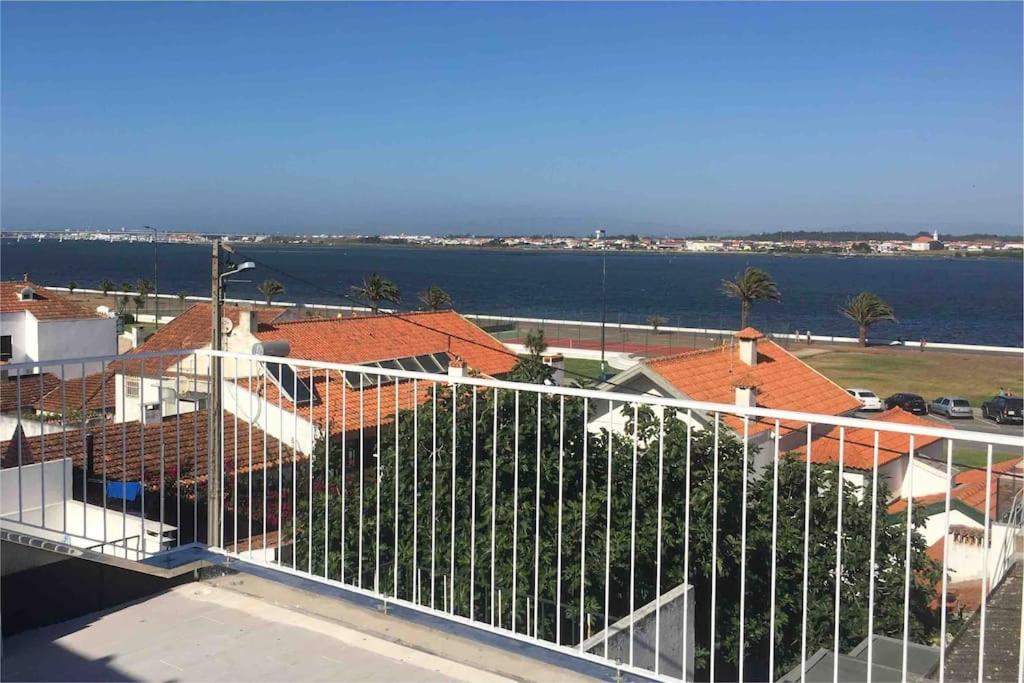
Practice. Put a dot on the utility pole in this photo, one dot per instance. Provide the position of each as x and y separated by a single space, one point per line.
213 409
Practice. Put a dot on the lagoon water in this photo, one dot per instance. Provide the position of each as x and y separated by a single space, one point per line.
966 300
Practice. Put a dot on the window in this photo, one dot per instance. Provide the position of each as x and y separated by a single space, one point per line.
131 387
6 348
295 388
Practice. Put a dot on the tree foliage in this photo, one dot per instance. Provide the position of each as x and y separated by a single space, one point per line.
392 529
751 285
269 289
866 309
375 289
435 298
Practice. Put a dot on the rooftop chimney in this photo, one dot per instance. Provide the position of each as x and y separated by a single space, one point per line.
247 324
746 397
456 368
748 337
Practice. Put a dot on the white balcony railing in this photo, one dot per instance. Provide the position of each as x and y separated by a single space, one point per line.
668 538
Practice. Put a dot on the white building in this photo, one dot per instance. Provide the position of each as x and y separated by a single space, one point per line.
39 324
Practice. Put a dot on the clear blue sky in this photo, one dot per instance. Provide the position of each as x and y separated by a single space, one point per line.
659 118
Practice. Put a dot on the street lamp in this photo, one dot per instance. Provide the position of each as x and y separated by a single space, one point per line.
247 265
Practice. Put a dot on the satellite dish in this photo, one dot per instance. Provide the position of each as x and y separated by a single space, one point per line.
226 325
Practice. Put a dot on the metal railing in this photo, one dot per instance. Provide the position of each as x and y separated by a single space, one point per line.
671 539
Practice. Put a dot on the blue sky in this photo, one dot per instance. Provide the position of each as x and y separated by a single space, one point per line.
662 118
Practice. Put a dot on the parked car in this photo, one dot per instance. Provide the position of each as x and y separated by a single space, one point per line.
912 403
868 399
951 406
1004 409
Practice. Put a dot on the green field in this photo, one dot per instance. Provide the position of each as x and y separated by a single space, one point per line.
976 377
977 456
574 367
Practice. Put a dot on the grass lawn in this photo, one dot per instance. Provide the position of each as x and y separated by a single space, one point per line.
574 367
977 456
976 377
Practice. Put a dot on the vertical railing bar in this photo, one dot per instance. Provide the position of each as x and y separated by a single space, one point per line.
871 562
42 458
608 526
839 555
472 516
234 478
266 465
394 550
536 528
142 451
451 553
433 500
515 515
743 545
415 490
344 465
64 441
986 539
583 528
376 521
775 539
807 546
632 532
177 451
558 571
907 558
103 415
309 478
327 465
712 647
21 438
85 457
657 552
251 390
494 498
361 475
280 468
945 564
124 459
295 469
195 451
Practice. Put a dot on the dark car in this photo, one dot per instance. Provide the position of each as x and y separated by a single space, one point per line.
1004 409
912 403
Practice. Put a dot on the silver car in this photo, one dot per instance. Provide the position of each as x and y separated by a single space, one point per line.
951 406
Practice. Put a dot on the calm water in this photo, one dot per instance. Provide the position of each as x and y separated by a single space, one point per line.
941 299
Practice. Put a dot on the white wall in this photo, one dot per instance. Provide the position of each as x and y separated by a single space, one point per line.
282 424
9 423
929 477
76 339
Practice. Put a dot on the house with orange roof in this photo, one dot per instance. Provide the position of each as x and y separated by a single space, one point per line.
750 371
926 475
37 324
293 403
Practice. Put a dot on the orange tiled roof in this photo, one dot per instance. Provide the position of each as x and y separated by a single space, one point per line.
31 389
47 305
749 333
369 338
783 381
184 437
859 444
97 393
193 329
968 488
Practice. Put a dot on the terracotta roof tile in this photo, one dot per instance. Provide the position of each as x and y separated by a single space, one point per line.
749 333
784 382
120 446
859 444
98 390
968 488
46 305
32 388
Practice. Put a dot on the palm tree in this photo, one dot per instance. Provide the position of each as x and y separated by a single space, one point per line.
139 301
106 284
181 301
435 298
144 286
535 343
269 289
376 288
655 321
72 286
752 285
866 309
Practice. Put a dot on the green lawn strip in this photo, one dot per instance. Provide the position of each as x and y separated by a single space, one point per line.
977 456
